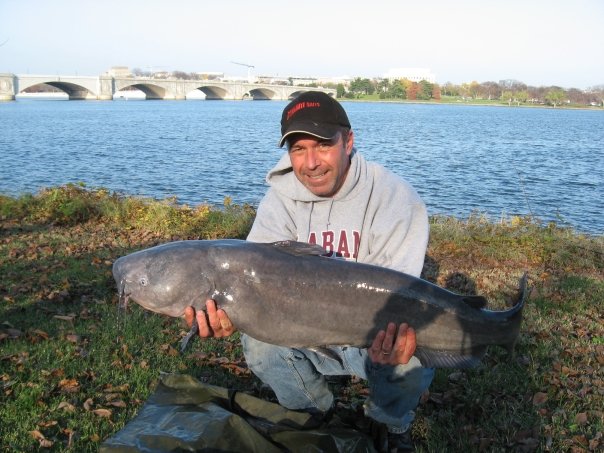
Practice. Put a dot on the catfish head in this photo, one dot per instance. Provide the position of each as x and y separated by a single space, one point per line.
163 279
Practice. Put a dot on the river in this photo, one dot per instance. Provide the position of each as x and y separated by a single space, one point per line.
496 161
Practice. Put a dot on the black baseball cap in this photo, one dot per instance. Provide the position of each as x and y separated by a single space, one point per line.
314 113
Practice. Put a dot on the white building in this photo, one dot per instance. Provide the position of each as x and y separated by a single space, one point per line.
119 71
413 74
344 80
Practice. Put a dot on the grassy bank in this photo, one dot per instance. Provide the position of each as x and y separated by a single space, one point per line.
73 370
459 100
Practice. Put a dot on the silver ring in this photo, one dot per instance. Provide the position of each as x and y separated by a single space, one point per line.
385 353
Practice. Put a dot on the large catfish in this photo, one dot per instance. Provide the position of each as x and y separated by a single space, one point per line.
286 293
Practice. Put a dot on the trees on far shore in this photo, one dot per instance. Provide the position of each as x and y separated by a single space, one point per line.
509 91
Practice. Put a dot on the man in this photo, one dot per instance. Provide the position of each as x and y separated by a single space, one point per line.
322 191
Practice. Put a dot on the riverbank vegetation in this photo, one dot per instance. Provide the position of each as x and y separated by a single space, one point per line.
504 92
74 370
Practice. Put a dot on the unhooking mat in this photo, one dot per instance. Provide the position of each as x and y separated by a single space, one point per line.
185 414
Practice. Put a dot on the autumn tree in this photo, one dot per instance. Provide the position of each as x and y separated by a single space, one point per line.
489 90
436 92
412 91
577 96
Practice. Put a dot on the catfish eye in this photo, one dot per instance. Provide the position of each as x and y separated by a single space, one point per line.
143 281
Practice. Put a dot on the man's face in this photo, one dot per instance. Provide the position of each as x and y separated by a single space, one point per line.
321 165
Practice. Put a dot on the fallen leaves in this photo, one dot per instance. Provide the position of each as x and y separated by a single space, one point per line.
238 367
539 398
36 335
106 413
69 318
169 350
67 407
68 386
44 442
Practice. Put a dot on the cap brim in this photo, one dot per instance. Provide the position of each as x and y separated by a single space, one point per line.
322 131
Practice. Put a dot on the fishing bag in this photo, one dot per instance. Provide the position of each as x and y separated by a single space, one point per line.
185 414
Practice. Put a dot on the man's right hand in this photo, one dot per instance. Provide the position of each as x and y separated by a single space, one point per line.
212 322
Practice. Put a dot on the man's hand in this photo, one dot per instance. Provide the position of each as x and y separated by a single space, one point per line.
212 322
393 348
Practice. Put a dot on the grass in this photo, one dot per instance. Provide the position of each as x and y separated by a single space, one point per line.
74 370
459 100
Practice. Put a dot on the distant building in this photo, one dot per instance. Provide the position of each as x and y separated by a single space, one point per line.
273 80
413 74
344 80
119 71
298 81
288 80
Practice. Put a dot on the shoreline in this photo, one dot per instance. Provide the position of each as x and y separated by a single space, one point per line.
473 104
69 192
120 96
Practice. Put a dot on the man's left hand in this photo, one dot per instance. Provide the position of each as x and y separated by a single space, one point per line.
392 346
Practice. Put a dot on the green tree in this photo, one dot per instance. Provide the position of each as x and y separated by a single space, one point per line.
449 89
555 96
425 90
521 96
397 90
340 90
362 86
383 85
507 96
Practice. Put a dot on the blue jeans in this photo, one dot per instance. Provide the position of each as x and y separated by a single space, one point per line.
297 376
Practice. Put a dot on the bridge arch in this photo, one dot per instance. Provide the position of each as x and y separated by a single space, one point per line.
262 94
74 91
152 91
213 92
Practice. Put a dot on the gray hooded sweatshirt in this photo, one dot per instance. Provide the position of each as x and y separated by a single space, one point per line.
375 218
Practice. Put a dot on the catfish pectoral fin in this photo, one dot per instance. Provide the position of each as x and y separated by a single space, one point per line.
194 331
324 351
431 358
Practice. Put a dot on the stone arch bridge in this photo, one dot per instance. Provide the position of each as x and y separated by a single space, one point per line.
104 87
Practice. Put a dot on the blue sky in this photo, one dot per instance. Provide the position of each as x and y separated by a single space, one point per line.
539 42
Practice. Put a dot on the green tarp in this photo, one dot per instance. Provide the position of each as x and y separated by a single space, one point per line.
185 414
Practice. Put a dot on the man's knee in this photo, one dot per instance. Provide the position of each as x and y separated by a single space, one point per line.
260 356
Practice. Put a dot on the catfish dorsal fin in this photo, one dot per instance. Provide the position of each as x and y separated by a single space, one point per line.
299 248
476 302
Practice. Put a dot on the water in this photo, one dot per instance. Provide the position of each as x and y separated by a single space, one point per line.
462 159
